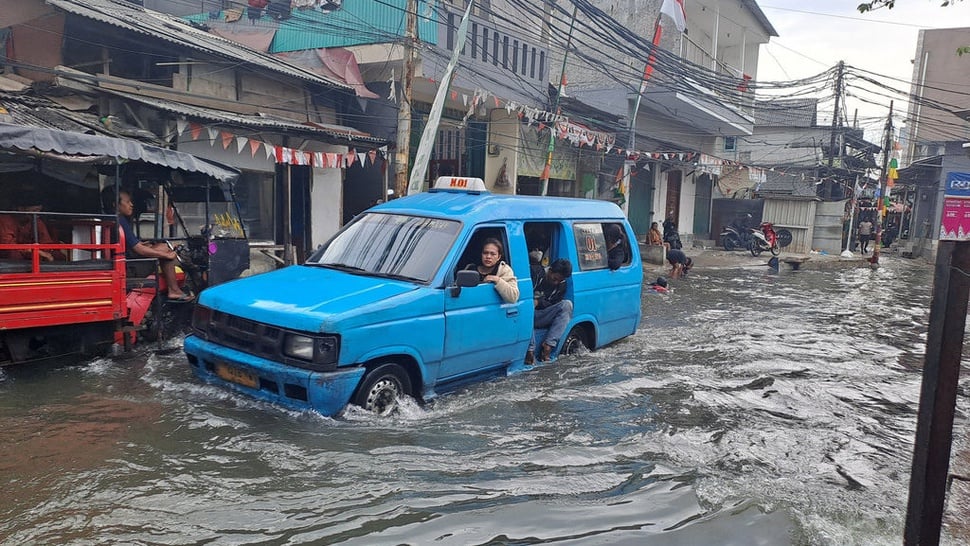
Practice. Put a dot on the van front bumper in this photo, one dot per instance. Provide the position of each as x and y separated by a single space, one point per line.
324 392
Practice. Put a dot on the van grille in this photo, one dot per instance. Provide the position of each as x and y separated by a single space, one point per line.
246 335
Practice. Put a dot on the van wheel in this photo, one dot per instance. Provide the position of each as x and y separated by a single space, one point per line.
381 389
575 342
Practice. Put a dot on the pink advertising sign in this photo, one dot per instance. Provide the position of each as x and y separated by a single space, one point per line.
956 219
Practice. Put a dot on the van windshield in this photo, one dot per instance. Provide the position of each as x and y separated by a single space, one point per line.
390 245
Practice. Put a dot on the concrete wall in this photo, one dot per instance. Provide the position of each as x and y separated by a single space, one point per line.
503 134
946 80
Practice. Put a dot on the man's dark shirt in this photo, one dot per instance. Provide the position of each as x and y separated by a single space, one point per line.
549 294
675 256
130 238
616 256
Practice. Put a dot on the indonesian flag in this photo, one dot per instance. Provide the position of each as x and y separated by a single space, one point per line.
675 10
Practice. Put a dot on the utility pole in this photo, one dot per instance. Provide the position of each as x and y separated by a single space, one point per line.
403 157
836 120
546 172
881 201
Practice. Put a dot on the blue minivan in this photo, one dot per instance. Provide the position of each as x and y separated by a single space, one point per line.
386 309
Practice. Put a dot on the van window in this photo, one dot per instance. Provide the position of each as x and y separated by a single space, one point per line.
392 245
622 253
472 255
544 240
590 245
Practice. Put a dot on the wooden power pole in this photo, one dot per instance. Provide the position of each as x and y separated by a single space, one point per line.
403 158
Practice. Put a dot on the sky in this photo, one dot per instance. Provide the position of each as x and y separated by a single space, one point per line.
816 35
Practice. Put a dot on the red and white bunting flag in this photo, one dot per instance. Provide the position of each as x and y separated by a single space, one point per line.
270 150
362 157
180 125
318 159
675 10
253 146
349 158
226 139
196 130
213 134
241 144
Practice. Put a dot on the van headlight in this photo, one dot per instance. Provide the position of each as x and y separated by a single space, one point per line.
201 318
320 350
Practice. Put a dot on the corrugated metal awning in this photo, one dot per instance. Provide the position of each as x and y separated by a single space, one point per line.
177 31
45 140
321 131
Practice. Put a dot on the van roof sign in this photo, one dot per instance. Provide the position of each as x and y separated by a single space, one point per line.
460 183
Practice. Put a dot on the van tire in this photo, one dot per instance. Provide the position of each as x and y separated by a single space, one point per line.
382 387
575 342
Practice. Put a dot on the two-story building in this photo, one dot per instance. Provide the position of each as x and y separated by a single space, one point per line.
185 87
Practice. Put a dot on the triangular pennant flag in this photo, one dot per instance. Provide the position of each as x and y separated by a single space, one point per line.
253 146
241 144
278 150
362 157
270 150
497 103
464 99
226 139
349 158
196 130
454 95
213 133
318 159
180 125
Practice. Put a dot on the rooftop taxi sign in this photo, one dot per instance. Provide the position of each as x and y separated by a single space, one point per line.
955 220
460 183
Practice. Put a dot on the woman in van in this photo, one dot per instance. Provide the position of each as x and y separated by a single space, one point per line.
497 272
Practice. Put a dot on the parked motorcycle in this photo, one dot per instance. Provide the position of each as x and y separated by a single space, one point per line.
764 238
734 237
672 237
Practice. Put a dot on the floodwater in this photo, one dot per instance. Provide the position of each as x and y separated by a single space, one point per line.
750 408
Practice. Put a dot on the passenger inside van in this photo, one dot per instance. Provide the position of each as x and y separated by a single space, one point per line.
616 252
494 270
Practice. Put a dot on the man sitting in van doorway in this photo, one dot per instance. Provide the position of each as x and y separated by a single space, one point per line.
552 310
136 248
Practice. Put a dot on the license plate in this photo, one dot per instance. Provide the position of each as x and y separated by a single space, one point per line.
235 375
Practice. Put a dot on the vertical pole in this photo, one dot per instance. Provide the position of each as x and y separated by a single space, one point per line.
852 204
881 201
836 116
403 156
544 181
287 217
941 373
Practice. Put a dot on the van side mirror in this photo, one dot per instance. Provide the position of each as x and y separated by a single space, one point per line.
464 278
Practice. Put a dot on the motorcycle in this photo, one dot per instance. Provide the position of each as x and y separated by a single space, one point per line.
734 237
764 238
671 235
